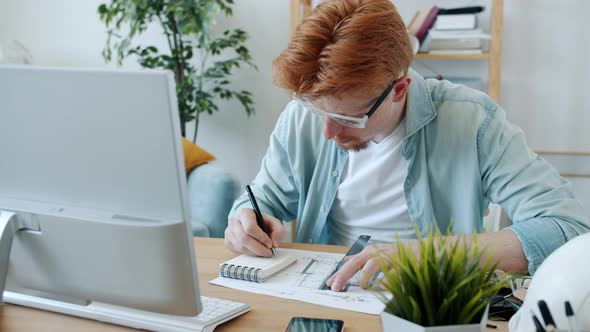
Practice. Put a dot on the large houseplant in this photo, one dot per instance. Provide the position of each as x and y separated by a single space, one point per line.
441 282
186 26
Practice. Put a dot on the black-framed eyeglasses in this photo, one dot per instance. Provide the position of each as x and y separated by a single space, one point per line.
349 121
381 99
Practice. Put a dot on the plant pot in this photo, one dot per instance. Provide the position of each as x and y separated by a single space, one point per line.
391 323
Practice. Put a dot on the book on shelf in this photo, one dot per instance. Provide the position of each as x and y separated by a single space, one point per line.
256 269
454 34
449 31
456 44
455 22
412 21
458 34
456 51
461 10
452 18
427 24
417 21
454 39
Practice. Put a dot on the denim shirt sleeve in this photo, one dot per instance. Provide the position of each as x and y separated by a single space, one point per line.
540 203
274 186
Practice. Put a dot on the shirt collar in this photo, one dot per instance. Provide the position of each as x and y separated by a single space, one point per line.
419 107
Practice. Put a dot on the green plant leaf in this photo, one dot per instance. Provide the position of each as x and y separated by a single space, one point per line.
187 27
443 283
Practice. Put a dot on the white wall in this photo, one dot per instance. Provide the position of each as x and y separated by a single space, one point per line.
3 18
69 33
545 66
239 142
545 78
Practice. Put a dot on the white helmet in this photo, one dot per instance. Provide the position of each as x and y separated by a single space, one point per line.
563 276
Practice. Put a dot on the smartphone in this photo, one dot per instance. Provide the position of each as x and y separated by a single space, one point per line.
303 324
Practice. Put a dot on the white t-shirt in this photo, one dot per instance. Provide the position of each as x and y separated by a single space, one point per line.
370 198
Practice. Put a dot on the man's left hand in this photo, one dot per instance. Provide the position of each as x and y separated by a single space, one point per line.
366 261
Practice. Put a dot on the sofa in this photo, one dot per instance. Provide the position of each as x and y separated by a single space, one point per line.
211 193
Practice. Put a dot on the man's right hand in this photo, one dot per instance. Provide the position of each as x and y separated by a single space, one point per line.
243 235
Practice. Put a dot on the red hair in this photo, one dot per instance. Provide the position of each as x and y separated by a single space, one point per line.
345 47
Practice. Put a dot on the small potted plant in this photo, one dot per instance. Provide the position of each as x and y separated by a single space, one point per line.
443 285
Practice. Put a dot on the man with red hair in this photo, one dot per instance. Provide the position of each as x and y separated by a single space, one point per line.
368 146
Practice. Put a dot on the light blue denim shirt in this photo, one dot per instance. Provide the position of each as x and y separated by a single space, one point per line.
462 154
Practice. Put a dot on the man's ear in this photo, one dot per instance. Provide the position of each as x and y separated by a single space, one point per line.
401 88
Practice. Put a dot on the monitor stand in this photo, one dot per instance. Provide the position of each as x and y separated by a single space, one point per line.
9 225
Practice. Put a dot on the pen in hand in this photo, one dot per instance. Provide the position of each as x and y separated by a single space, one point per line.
259 219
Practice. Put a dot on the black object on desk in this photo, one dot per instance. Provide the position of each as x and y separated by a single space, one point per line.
569 313
538 326
259 219
545 313
304 324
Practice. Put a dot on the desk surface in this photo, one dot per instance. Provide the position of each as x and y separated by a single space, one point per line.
267 314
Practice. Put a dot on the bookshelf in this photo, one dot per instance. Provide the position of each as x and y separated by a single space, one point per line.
302 8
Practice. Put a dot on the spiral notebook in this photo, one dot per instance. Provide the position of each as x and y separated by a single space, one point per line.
256 269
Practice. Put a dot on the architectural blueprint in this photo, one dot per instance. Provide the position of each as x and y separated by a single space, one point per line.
301 281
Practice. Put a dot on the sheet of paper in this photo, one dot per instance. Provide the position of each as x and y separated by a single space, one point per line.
301 281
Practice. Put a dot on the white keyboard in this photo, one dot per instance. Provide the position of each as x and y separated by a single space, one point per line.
215 311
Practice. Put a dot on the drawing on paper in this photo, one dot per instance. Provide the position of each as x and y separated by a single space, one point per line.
301 281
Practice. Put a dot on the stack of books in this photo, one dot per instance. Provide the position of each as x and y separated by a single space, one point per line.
422 22
448 31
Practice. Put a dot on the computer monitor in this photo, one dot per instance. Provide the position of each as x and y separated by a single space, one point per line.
92 174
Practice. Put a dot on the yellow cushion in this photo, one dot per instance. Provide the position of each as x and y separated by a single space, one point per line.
194 155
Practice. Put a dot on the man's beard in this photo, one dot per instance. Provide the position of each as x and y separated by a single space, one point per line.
351 144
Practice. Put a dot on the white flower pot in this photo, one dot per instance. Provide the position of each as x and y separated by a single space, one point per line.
391 323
